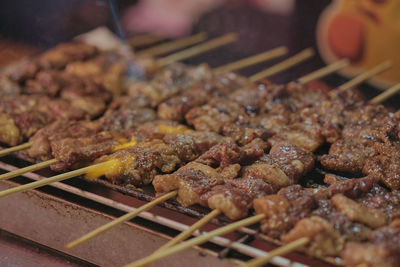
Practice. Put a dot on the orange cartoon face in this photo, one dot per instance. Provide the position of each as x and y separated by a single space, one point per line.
365 31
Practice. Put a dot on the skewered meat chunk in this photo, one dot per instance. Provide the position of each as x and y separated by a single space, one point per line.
284 165
41 141
325 240
234 198
222 84
356 145
78 152
382 248
8 86
62 54
356 212
244 133
190 144
9 133
215 167
169 81
139 164
107 69
212 116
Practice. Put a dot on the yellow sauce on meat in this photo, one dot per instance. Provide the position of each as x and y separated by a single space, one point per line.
166 129
125 145
108 166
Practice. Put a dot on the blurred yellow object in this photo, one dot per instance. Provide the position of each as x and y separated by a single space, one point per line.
365 31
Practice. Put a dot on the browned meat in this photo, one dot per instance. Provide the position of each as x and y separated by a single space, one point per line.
107 69
190 144
77 152
139 164
325 240
8 86
359 213
176 107
191 181
302 135
235 197
243 134
170 81
214 115
284 209
126 119
41 141
62 54
10 133
347 156
382 248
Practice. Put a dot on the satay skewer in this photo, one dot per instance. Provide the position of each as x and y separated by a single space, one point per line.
181 55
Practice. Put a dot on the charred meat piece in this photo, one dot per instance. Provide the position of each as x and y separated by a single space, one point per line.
382 248
214 115
59 56
139 164
284 209
77 152
222 84
283 166
41 141
170 81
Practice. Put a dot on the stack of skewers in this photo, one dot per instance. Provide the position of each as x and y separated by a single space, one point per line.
215 138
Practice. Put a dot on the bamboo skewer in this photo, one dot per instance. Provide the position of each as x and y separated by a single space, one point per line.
385 95
50 180
31 168
144 39
188 232
173 45
277 252
284 65
324 71
197 240
366 75
10 150
126 217
195 50
249 61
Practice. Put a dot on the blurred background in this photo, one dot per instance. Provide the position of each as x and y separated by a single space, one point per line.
366 31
